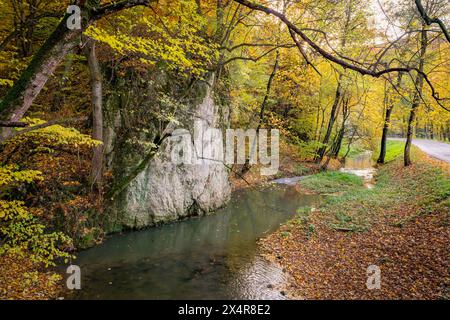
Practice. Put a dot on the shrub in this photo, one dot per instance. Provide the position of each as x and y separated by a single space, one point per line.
21 233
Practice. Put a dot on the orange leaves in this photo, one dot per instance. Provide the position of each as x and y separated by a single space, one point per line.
412 256
22 279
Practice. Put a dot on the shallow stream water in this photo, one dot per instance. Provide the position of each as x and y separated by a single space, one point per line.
362 166
211 257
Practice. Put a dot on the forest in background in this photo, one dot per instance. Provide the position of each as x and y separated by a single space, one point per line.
333 76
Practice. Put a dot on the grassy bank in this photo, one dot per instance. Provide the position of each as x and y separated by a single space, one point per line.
394 149
332 182
401 226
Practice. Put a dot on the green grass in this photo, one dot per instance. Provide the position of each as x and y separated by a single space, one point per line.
355 150
394 149
422 186
332 182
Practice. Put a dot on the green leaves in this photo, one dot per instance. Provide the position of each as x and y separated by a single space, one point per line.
20 231
25 236
170 35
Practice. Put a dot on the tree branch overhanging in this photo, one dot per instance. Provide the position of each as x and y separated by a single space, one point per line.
256 59
302 51
44 62
118 6
345 64
13 124
39 126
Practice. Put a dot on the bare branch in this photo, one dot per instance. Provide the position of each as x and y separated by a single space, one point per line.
302 51
256 59
345 64
241 45
13 124
118 6
430 21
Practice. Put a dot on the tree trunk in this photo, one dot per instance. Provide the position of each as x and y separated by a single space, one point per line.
334 109
32 80
338 142
268 89
28 30
322 122
387 121
97 114
337 145
409 136
247 166
63 40
331 122
417 97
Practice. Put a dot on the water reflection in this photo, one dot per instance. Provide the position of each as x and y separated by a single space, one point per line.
213 257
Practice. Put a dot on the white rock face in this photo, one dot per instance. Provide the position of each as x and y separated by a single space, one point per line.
165 191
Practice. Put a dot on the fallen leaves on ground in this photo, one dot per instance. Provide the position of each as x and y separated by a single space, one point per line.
413 256
20 279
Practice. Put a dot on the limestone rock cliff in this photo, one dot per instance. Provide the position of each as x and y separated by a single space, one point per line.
161 190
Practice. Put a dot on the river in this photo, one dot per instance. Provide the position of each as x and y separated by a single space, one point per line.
211 257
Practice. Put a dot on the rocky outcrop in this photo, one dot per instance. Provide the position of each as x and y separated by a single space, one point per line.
161 190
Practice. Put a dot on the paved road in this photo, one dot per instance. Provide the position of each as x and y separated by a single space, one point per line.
436 149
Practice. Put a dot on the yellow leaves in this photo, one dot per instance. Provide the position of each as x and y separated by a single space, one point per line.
22 279
6 82
25 236
176 53
8 175
11 209
172 37
21 233
53 136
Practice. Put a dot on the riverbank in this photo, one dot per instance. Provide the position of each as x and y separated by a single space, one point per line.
291 165
401 225
306 247
25 280
211 257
